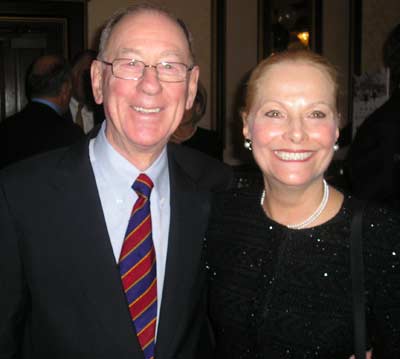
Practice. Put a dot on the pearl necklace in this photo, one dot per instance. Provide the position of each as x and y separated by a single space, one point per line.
314 215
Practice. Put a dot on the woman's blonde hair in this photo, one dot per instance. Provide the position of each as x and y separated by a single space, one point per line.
292 55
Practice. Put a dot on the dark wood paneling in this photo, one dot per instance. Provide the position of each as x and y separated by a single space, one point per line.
73 11
219 65
32 28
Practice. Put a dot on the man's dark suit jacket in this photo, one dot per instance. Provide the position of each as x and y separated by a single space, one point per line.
206 141
59 281
374 156
37 128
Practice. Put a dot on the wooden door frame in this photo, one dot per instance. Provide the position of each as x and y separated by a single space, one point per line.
74 11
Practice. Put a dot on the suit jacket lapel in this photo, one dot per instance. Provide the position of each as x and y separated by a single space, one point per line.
95 269
189 214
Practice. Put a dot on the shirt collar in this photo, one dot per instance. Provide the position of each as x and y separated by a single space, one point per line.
116 167
74 103
48 103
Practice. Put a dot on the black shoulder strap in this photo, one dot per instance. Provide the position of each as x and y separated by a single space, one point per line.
357 275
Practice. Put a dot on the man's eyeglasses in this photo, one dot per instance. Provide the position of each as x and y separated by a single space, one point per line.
131 69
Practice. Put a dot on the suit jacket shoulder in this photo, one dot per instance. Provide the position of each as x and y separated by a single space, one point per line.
37 128
374 156
206 172
51 223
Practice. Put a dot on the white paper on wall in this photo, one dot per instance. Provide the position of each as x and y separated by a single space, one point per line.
371 90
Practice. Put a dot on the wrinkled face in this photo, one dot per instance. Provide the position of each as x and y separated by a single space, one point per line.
142 114
293 123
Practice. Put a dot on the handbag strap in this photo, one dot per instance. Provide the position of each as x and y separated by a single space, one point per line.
357 276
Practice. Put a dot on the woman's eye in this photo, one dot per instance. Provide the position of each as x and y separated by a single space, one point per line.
317 114
272 113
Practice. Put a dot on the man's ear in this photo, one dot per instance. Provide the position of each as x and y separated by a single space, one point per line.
96 74
192 87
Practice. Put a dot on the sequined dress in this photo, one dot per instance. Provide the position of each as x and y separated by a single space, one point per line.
282 293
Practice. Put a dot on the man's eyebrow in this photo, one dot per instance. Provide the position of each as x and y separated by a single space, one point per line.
177 53
137 52
126 51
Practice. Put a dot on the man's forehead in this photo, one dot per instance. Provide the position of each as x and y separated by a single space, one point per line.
147 19
141 51
147 24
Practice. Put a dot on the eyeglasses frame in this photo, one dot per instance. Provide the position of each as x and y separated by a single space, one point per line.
188 68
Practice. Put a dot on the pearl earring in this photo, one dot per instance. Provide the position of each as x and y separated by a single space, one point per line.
247 144
335 147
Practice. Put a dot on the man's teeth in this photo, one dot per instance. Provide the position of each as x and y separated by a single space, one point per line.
147 110
293 156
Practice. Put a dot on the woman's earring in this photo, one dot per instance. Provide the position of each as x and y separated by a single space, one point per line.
335 147
247 144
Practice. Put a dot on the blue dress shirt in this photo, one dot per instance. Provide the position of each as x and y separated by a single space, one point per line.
114 176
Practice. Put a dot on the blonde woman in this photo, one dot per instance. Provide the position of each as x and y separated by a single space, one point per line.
279 256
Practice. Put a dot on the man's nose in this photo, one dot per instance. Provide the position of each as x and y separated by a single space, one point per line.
149 82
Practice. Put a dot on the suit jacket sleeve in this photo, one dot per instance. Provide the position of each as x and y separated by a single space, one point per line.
370 161
12 283
373 157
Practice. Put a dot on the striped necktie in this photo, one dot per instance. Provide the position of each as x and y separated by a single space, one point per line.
137 266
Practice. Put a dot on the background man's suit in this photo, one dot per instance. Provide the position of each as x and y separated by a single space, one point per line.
374 155
37 128
67 269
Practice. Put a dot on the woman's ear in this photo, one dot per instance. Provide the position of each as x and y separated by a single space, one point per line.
245 120
339 125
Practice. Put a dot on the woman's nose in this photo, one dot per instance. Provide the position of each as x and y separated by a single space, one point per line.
296 131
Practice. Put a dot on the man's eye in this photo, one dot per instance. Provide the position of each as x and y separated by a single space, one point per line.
129 63
167 66
132 63
272 113
317 114
170 67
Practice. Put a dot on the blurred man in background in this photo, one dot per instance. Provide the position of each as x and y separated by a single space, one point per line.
41 125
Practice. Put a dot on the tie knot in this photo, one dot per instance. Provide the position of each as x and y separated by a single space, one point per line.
143 185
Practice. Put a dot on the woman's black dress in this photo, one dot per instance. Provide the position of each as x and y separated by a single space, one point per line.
282 293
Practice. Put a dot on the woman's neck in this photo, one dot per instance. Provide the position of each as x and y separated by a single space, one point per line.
291 205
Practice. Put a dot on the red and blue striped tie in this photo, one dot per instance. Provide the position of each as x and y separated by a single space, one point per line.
137 266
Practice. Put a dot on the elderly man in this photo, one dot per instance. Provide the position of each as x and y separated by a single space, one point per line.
101 242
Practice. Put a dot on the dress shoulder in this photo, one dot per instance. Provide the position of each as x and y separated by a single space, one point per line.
381 226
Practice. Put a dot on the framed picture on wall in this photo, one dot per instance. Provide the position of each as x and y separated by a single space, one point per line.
289 24
29 29
299 24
